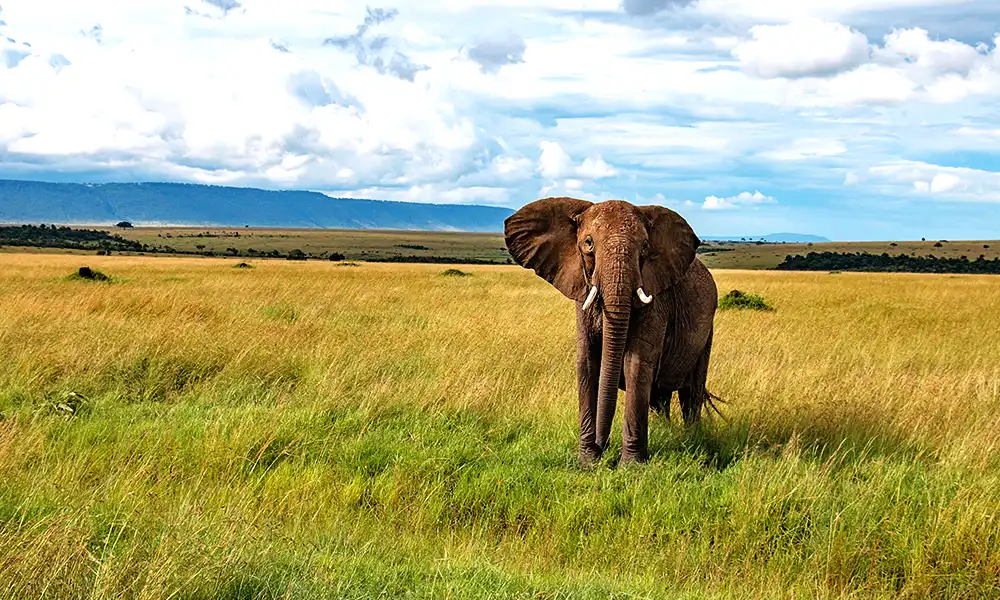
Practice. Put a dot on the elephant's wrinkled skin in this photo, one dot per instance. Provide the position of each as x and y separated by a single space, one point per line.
644 308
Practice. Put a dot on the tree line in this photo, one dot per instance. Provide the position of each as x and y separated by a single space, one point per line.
902 263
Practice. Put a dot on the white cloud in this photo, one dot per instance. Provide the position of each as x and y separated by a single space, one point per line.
555 163
741 199
936 181
801 48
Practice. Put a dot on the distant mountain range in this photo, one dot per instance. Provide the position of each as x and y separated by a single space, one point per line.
153 204
792 238
164 204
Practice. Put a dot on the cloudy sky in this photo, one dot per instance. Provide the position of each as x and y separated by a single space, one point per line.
874 119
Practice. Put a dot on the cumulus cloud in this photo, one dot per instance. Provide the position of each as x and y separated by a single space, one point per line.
926 60
739 200
804 48
936 181
555 163
315 90
369 50
492 55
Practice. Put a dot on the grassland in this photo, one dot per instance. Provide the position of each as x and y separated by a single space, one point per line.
303 430
355 244
417 246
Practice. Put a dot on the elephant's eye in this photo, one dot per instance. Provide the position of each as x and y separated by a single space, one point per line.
588 244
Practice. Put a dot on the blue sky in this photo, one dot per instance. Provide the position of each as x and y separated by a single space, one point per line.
853 120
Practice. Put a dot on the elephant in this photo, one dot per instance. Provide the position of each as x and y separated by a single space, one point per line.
645 309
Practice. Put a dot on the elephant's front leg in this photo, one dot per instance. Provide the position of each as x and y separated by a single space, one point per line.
635 427
588 373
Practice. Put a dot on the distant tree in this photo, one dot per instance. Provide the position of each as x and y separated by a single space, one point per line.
123 224
937 244
986 246
296 255
893 245
200 246
923 239
336 256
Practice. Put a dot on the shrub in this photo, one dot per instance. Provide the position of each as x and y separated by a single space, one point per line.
742 300
455 273
243 265
89 274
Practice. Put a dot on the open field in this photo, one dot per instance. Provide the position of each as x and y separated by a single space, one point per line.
355 244
432 246
307 429
363 244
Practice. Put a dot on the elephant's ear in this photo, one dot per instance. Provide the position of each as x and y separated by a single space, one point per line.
672 245
542 236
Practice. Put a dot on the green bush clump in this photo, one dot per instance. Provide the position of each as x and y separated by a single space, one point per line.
742 300
455 273
88 274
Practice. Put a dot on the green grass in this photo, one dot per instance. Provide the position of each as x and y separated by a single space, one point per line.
303 430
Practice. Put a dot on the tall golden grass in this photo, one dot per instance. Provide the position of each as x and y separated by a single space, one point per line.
316 429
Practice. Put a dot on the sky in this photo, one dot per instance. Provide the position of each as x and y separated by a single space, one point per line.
850 119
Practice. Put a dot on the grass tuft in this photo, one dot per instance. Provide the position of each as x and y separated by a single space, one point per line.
455 273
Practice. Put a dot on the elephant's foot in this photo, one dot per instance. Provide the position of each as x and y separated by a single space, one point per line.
590 454
635 456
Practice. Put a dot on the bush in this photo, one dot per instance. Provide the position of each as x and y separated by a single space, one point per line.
89 274
243 265
742 300
455 273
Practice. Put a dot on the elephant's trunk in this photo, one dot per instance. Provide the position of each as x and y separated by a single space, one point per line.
617 300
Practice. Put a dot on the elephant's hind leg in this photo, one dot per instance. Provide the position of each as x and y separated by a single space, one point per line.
694 393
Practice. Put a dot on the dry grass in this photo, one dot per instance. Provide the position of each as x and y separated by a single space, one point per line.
305 429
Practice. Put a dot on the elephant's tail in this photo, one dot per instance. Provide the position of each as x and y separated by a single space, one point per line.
711 399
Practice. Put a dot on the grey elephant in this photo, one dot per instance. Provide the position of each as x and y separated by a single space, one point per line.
645 307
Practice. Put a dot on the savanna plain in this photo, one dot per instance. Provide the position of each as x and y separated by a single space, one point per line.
320 429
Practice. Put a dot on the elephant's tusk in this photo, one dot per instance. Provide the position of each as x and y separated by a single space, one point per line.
590 298
642 296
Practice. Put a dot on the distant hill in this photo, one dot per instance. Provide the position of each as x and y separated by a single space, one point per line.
154 204
791 238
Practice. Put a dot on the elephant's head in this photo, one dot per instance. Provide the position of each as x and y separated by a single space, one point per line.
609 256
